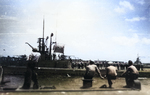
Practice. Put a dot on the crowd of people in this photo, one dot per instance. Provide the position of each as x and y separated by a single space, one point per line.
120 66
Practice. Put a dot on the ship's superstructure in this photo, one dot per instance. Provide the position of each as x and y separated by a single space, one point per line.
47 58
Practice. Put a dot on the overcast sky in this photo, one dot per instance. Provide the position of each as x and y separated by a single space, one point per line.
113 30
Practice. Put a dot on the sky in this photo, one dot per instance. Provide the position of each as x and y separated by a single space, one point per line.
113 30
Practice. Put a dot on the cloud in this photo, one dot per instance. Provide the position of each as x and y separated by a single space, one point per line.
124 6
140 2
126 41
127 5
136 19
132 30
131 41
7 17
119 10
145 41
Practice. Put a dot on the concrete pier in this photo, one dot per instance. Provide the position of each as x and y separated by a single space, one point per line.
70 85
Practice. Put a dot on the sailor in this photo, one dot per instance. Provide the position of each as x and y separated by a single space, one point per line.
90 71
130 74
111 74
30 73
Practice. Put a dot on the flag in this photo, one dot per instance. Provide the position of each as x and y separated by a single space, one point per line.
59 49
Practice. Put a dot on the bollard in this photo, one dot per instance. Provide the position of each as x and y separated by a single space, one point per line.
87 83
136 84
